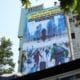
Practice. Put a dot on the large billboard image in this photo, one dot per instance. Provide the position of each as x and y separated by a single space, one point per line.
45 44
42 30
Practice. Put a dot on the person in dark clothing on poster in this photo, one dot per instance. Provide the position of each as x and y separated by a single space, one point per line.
58 53
47 51
36 57
43 34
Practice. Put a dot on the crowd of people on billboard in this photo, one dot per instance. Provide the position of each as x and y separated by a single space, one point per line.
48 44
41 30
45 57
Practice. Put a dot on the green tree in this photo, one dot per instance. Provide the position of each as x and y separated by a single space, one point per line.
6 61
71 6
66 5
26 3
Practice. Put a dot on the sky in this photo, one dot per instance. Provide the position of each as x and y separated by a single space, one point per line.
10 11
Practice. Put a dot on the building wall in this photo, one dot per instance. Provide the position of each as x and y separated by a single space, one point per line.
20 35
75 31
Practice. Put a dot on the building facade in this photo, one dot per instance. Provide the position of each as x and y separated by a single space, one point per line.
55 28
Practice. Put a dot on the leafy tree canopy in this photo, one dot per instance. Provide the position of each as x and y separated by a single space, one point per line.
26 3
70 5
6 61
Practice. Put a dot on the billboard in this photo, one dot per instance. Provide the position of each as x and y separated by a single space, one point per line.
45 41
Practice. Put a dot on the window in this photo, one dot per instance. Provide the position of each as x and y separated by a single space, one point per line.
73 35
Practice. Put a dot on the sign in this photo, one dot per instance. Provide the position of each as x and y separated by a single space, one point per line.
43 13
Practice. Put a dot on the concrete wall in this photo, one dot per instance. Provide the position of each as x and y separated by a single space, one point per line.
75 41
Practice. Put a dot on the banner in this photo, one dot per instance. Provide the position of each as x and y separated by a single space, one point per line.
46 42
43 13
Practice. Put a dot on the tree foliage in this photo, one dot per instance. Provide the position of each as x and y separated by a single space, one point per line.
6 61
70 5
26 3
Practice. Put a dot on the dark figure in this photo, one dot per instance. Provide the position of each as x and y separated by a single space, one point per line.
29 56
37 32
36 57
43 34
47 52
59 54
